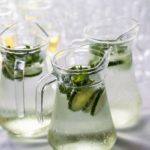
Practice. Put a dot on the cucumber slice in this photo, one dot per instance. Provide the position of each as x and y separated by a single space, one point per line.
88 106
71 96
8 71
32 71
99 101
80 99
116 62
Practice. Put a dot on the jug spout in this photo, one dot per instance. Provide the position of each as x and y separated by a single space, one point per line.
129 33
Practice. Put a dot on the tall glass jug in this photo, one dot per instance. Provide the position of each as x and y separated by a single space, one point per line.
123 94
22 64
81 118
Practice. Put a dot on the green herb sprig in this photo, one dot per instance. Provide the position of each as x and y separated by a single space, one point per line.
79 94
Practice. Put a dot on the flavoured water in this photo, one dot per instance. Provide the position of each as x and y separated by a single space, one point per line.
80 124
27 126
122 91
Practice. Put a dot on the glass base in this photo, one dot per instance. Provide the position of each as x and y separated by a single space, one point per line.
27 128
96 141
125 119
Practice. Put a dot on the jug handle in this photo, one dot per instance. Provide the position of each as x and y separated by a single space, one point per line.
40 89
19 68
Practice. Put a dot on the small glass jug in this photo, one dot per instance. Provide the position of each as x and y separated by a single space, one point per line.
22 64
81 118
122 90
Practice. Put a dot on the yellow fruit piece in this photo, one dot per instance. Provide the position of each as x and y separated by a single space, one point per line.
54 44
30 18
10 41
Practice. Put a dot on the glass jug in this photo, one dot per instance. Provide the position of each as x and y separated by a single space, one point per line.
81 118
22 63
123 94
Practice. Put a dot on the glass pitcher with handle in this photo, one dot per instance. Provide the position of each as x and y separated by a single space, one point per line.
122 90
81 116
22 63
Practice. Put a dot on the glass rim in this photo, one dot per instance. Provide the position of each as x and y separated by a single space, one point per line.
85 86
135 25
88 71
24 50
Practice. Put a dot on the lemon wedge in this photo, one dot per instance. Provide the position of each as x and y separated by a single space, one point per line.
54 44
10 41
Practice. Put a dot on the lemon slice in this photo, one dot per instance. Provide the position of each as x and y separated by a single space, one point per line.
30 18
10 41
54 44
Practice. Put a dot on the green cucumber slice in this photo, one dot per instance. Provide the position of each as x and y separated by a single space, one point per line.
8 71
80 99
116 62
32 71
90 103
98 102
